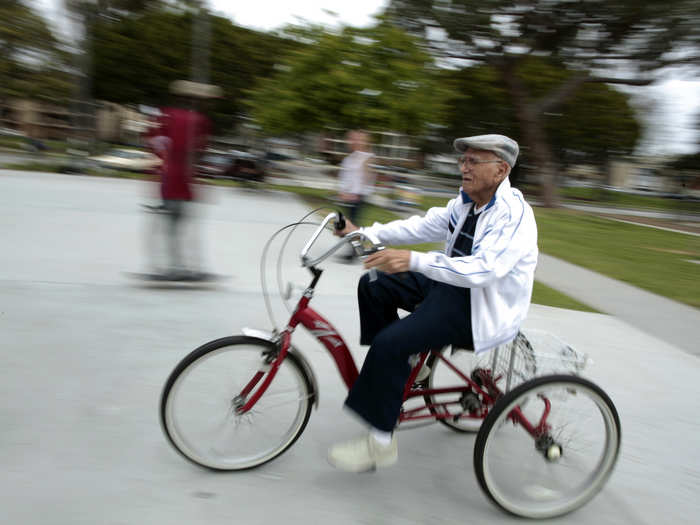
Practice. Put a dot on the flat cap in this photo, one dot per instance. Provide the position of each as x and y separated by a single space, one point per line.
187 88
506 148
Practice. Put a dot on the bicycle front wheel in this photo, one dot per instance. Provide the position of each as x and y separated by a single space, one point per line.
568 460
198 405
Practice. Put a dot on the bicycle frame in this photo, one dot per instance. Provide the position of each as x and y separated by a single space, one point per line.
321 329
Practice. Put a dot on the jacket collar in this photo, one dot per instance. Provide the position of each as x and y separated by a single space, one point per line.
504 186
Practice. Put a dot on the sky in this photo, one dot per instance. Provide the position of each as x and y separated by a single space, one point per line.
669 119
272 14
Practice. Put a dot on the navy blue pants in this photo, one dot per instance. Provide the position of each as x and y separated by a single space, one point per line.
440 315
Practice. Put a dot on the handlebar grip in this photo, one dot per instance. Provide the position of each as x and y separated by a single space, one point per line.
340 222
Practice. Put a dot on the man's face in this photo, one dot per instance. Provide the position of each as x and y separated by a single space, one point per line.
482 172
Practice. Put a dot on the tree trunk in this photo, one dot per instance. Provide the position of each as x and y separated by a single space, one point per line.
536 140
533 134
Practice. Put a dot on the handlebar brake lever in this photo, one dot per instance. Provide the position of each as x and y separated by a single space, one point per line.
366 253
339 221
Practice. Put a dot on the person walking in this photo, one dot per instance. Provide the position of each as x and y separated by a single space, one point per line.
179 137
356 179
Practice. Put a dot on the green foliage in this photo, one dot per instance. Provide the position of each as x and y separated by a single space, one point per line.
137 56
240 59
587 37
377 78
574 32
597 120
23 31
479 103
31 62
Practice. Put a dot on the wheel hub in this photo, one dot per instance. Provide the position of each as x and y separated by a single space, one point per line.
551 450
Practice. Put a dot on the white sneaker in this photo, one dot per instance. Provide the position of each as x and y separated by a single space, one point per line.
363 454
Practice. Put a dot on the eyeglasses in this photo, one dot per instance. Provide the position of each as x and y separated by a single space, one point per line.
473 161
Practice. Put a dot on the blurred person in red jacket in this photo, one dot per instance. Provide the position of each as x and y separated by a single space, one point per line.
178 138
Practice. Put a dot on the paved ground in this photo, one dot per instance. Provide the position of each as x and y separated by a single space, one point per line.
86 350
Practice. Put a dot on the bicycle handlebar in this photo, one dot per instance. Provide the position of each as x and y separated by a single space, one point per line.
362 243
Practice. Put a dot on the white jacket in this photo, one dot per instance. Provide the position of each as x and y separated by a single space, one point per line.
501 269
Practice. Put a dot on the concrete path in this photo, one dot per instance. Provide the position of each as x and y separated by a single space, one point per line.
674 322
86 351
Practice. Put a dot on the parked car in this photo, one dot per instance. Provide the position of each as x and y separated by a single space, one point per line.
233 164
248 167
127 159
213 165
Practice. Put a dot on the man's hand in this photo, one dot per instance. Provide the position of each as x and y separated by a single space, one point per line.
349 227
389 260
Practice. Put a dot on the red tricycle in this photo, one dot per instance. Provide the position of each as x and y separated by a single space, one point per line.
545 444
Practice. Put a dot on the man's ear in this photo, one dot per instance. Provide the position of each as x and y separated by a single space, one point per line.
505 170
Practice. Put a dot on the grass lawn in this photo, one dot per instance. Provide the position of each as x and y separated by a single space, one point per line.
44 167
603 197
656 260
543 294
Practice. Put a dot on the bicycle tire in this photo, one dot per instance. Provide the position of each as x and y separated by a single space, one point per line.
499 440
196 372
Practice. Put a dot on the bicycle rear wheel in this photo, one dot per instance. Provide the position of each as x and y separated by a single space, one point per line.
463 404
199 398
566 465
507 365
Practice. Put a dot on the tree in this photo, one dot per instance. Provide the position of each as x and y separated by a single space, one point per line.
30 58
593 124
137 56
377 78
598 41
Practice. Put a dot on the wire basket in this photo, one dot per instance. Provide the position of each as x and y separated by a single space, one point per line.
532 354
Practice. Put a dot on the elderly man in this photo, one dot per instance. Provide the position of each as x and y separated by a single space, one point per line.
474 295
